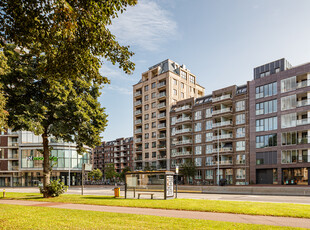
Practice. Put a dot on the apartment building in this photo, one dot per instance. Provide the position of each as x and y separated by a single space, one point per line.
213 132
21 161
118 152
159 88
280 124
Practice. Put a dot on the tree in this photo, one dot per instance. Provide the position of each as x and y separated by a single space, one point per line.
188 169
96 174
109 171
54 81
123 173
4 68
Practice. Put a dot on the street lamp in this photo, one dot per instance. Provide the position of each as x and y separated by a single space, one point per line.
176 184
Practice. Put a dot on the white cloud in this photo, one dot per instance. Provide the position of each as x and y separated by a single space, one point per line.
145 25
118 89
115 73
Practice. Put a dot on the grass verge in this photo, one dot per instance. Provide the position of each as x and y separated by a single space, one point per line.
239 207
25 217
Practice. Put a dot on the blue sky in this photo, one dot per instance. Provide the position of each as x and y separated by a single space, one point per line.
219 41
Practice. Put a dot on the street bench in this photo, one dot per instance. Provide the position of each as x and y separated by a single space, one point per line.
145 193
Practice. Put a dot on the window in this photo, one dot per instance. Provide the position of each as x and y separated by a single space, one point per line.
183 74
197 127
240 132
266 158
153 85
266 90
175 82
240 119
182 85
154 115
146 88
154 125
267 124
266 141
146 155
154 144
288 120
175 92
153 95
240 145
197 115
198 150
182 95
240 159
266 107
146 126
240 174
288 102
153 154
209 112
209 137
146 117
209 149
173 120
289 156
146 136
146 107
198 138
198 174
154 105
209 161
198 162
146 145
288 84
209 174
240 105
208 125
146 97
191 79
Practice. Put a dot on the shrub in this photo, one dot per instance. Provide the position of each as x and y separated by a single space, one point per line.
55 188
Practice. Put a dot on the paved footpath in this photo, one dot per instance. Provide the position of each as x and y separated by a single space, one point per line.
237 218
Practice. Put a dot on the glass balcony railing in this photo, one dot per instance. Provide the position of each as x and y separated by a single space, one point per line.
138 93
215 99
303 103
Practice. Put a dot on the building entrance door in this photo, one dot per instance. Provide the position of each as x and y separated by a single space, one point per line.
264 176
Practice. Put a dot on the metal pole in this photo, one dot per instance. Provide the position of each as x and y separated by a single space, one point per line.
70 164
218 157
83 170
176 185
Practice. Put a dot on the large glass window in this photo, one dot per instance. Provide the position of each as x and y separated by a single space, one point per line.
289 138
240 106
288 120
209 174
288 84
209 161
240 119
240 174
266 90
240 132
267 124
266 141
266 158
240 145
208 112
289 156
198 138
240 159
197 127
209 149
198 162
197 115
288 102
208 125
198 150
266 107
209 137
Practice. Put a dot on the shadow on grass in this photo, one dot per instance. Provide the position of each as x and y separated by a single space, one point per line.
101 198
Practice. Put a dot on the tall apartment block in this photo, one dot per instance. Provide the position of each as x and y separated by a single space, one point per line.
118 152
160 87
212 131
21 161
280 124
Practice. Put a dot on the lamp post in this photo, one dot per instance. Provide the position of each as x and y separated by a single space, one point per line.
218 157
69 164
176 184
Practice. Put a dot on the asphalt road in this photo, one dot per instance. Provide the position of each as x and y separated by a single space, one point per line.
108 190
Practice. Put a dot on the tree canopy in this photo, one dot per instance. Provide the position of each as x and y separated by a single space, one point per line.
4 68
96 174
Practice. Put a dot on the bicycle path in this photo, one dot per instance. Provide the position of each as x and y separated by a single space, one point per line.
227 217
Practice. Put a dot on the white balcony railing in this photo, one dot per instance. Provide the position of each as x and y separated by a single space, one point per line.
138 121
303 103
302 84
163 125
221 150
183 119
215 99
182 142
160 84
161 105
161 115
223 136
183 108
225 110
138 93
223 123
138 103
137 112
138 131
183 153
303 121
163 94
183 130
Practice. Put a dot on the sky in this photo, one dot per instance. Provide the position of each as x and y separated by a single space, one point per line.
219 41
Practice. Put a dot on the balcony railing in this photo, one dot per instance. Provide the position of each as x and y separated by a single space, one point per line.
183 153
183 119
163 94
13 156
138 93
303 140
215 99
223 123
138 158
221 150
161 157
138 121
138 131
303 103
161 105
303 121
183 130
183 108
227 162
13 168
302 84
137 112
138 140
161 146
163 125
225 110
259 112
161 115
138 103
161 136
223 136
13 144
161 84
182 142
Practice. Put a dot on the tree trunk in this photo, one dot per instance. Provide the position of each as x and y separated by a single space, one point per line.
46 164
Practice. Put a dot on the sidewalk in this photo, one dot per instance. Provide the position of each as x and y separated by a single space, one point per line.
237 218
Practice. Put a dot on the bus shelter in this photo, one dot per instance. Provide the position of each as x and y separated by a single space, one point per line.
149 184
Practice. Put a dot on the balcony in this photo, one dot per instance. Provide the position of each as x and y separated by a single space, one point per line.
305 121
161 115
13 168
138 158
138 103
161 157
223 136
182 142
303 103
138 140
138 131
303 140
13 144
138 93
183 119
139 121
183 131
225 110
162 94
223 123
225 162
215 99
161 84
161 126
162 146
13 156
183 153
161 105
183 108
137 112
162 136
302 84
222 150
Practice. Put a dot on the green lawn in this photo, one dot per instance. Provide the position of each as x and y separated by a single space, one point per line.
241 207
25 217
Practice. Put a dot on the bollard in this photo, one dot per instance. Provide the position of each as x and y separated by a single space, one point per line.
3 193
